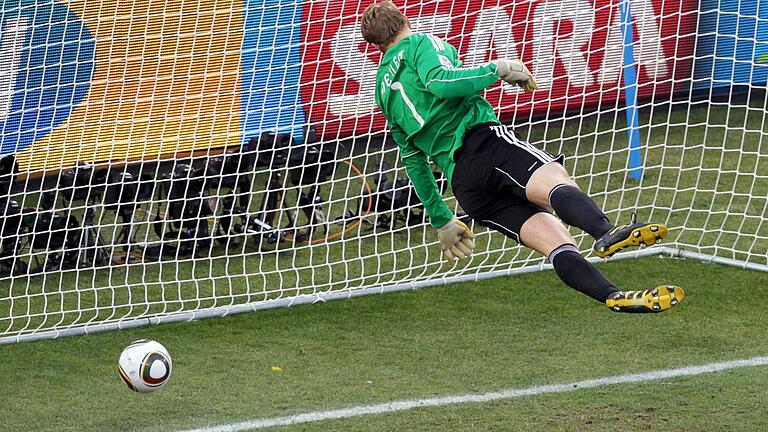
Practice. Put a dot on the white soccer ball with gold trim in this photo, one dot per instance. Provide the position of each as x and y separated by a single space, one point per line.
145 366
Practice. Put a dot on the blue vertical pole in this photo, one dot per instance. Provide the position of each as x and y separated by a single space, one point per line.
630 92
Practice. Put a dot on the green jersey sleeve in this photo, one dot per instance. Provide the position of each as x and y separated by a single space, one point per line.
420 173
441 72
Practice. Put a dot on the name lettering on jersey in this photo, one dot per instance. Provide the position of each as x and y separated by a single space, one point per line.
392 69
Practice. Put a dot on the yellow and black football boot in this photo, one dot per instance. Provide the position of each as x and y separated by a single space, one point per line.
634 234
653 300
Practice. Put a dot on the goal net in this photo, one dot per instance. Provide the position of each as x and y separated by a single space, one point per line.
166 161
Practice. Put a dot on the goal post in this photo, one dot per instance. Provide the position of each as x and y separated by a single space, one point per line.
171 161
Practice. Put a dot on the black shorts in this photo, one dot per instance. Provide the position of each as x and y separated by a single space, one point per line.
493 167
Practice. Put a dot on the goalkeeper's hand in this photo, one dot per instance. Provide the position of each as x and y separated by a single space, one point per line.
456 240
515 72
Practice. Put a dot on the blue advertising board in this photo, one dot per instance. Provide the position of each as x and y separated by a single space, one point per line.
732 47
48 69
271 68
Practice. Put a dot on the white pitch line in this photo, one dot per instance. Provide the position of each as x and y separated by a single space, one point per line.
483 397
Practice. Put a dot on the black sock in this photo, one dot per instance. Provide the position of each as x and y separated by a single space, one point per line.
577 209
580 274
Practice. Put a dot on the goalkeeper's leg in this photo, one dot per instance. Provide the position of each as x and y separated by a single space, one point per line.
545 234
551 186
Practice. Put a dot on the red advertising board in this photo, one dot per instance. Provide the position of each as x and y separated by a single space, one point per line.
573 47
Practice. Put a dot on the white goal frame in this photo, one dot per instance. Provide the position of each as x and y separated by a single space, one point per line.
660 110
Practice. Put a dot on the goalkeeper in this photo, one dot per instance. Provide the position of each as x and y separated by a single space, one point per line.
434 109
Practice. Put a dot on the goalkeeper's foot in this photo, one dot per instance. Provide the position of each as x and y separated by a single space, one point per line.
653 300
634 234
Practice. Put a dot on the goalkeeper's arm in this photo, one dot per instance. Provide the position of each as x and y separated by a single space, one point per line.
456 239
446 79
420 173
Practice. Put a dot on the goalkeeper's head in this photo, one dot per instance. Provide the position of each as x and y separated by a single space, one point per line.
384 25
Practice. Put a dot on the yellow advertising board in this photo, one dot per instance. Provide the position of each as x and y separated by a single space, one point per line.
148 78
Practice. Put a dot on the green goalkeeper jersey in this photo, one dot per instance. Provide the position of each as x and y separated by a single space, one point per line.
430 101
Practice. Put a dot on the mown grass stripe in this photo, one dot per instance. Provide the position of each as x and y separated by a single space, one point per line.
404 405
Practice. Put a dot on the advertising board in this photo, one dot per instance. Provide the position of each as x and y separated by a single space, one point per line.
573 47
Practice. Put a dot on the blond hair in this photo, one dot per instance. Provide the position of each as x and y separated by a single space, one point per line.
382 22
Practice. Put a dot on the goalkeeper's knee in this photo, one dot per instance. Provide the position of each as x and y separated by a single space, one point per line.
565 247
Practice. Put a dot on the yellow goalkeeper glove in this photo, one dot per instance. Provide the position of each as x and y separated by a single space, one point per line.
456 240
515 72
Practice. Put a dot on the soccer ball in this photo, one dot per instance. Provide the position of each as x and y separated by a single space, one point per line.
145 366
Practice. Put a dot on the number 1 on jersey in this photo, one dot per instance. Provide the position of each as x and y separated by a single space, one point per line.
399 87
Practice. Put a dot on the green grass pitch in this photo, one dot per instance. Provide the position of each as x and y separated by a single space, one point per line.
504 333
704 174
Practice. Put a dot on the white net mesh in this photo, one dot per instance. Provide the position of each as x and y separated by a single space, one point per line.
162 158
